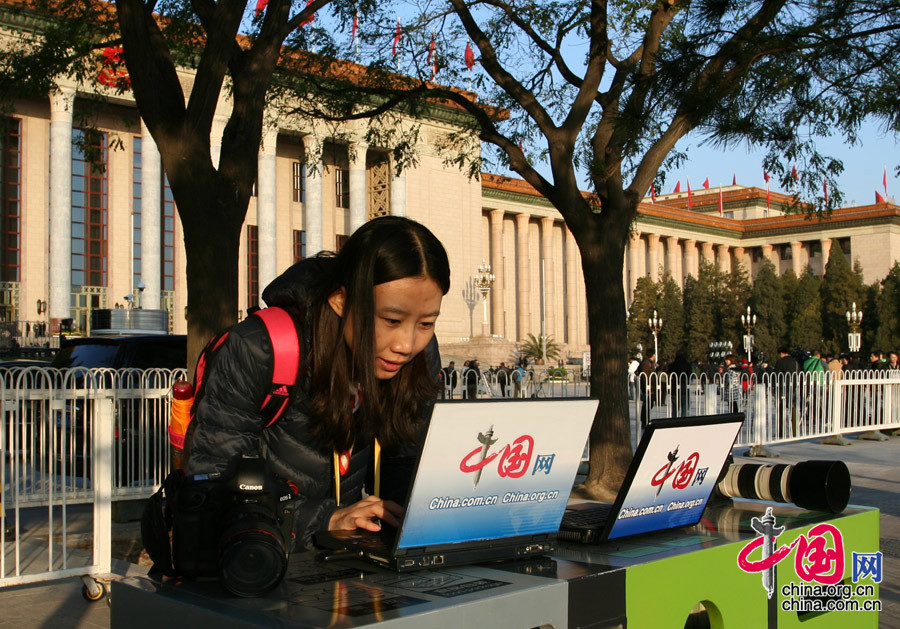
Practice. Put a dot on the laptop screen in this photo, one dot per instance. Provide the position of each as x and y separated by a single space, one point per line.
675 475
495 469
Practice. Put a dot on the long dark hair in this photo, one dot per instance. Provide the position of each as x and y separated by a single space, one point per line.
382 250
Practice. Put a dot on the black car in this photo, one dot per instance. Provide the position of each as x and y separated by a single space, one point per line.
140 426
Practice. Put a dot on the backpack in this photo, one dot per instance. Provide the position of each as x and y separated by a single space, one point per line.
285 364
157 518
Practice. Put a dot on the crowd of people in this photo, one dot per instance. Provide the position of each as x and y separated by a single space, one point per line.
464 382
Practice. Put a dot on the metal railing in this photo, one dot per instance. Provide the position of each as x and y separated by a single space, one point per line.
779 408
473 384
72 442
75 441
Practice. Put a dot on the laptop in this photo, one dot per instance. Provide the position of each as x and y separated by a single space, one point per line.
668 483
492 482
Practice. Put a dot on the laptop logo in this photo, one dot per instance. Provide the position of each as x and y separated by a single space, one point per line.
513 459
683 476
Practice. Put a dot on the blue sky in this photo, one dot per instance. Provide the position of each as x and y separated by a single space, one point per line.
864 166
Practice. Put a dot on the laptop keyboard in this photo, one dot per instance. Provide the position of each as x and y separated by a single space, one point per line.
595 516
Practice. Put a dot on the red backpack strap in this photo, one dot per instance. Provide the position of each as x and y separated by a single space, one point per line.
285 364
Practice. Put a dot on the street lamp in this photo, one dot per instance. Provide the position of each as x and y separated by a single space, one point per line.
655 324
749 322
854 320
484 280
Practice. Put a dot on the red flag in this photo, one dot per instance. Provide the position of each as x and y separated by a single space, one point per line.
469 57
312 16
396 38
794 173
677 187
766 176
690 201
261 6
653 193
825 189
884 180
721 205
431 61
734 179
878 197
112 68
353 28
706 183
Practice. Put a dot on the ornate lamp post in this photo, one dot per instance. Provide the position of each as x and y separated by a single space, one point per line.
854 320
655 324
484 280
749 322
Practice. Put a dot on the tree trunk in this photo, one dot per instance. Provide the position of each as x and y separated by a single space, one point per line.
211 216
602 252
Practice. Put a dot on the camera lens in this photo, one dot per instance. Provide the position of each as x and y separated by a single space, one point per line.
253 561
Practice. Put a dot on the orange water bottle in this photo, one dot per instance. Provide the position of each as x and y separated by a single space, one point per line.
180 417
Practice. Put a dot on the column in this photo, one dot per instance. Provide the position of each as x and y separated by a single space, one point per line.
215 139
266 209
691 258
549 287
653 256
62 102
357 185
796 250
398 191
312 208
739 258
724 258
523 292
151 220
497 293
672 256
634 252
767 251
706 250
571 295
826 252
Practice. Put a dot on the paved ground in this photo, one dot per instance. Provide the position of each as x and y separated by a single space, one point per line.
875 468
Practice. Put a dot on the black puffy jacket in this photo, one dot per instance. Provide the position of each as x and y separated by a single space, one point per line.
227 421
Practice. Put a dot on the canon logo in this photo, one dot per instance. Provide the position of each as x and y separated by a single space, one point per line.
250 487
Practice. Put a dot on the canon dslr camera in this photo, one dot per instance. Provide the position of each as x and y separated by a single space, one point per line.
236 526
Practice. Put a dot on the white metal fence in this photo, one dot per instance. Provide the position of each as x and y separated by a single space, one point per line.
75 441
778 407
72 442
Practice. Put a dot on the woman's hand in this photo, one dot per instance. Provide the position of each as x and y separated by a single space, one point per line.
364 515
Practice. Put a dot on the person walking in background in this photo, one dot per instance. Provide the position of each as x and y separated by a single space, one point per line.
785 371
518 377
632 375
502 378
731 383
471 376
449 377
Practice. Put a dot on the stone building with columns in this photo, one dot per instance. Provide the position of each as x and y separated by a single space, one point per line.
77 238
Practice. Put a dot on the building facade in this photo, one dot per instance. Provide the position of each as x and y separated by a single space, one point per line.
88 221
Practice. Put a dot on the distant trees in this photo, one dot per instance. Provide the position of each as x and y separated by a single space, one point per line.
808 312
